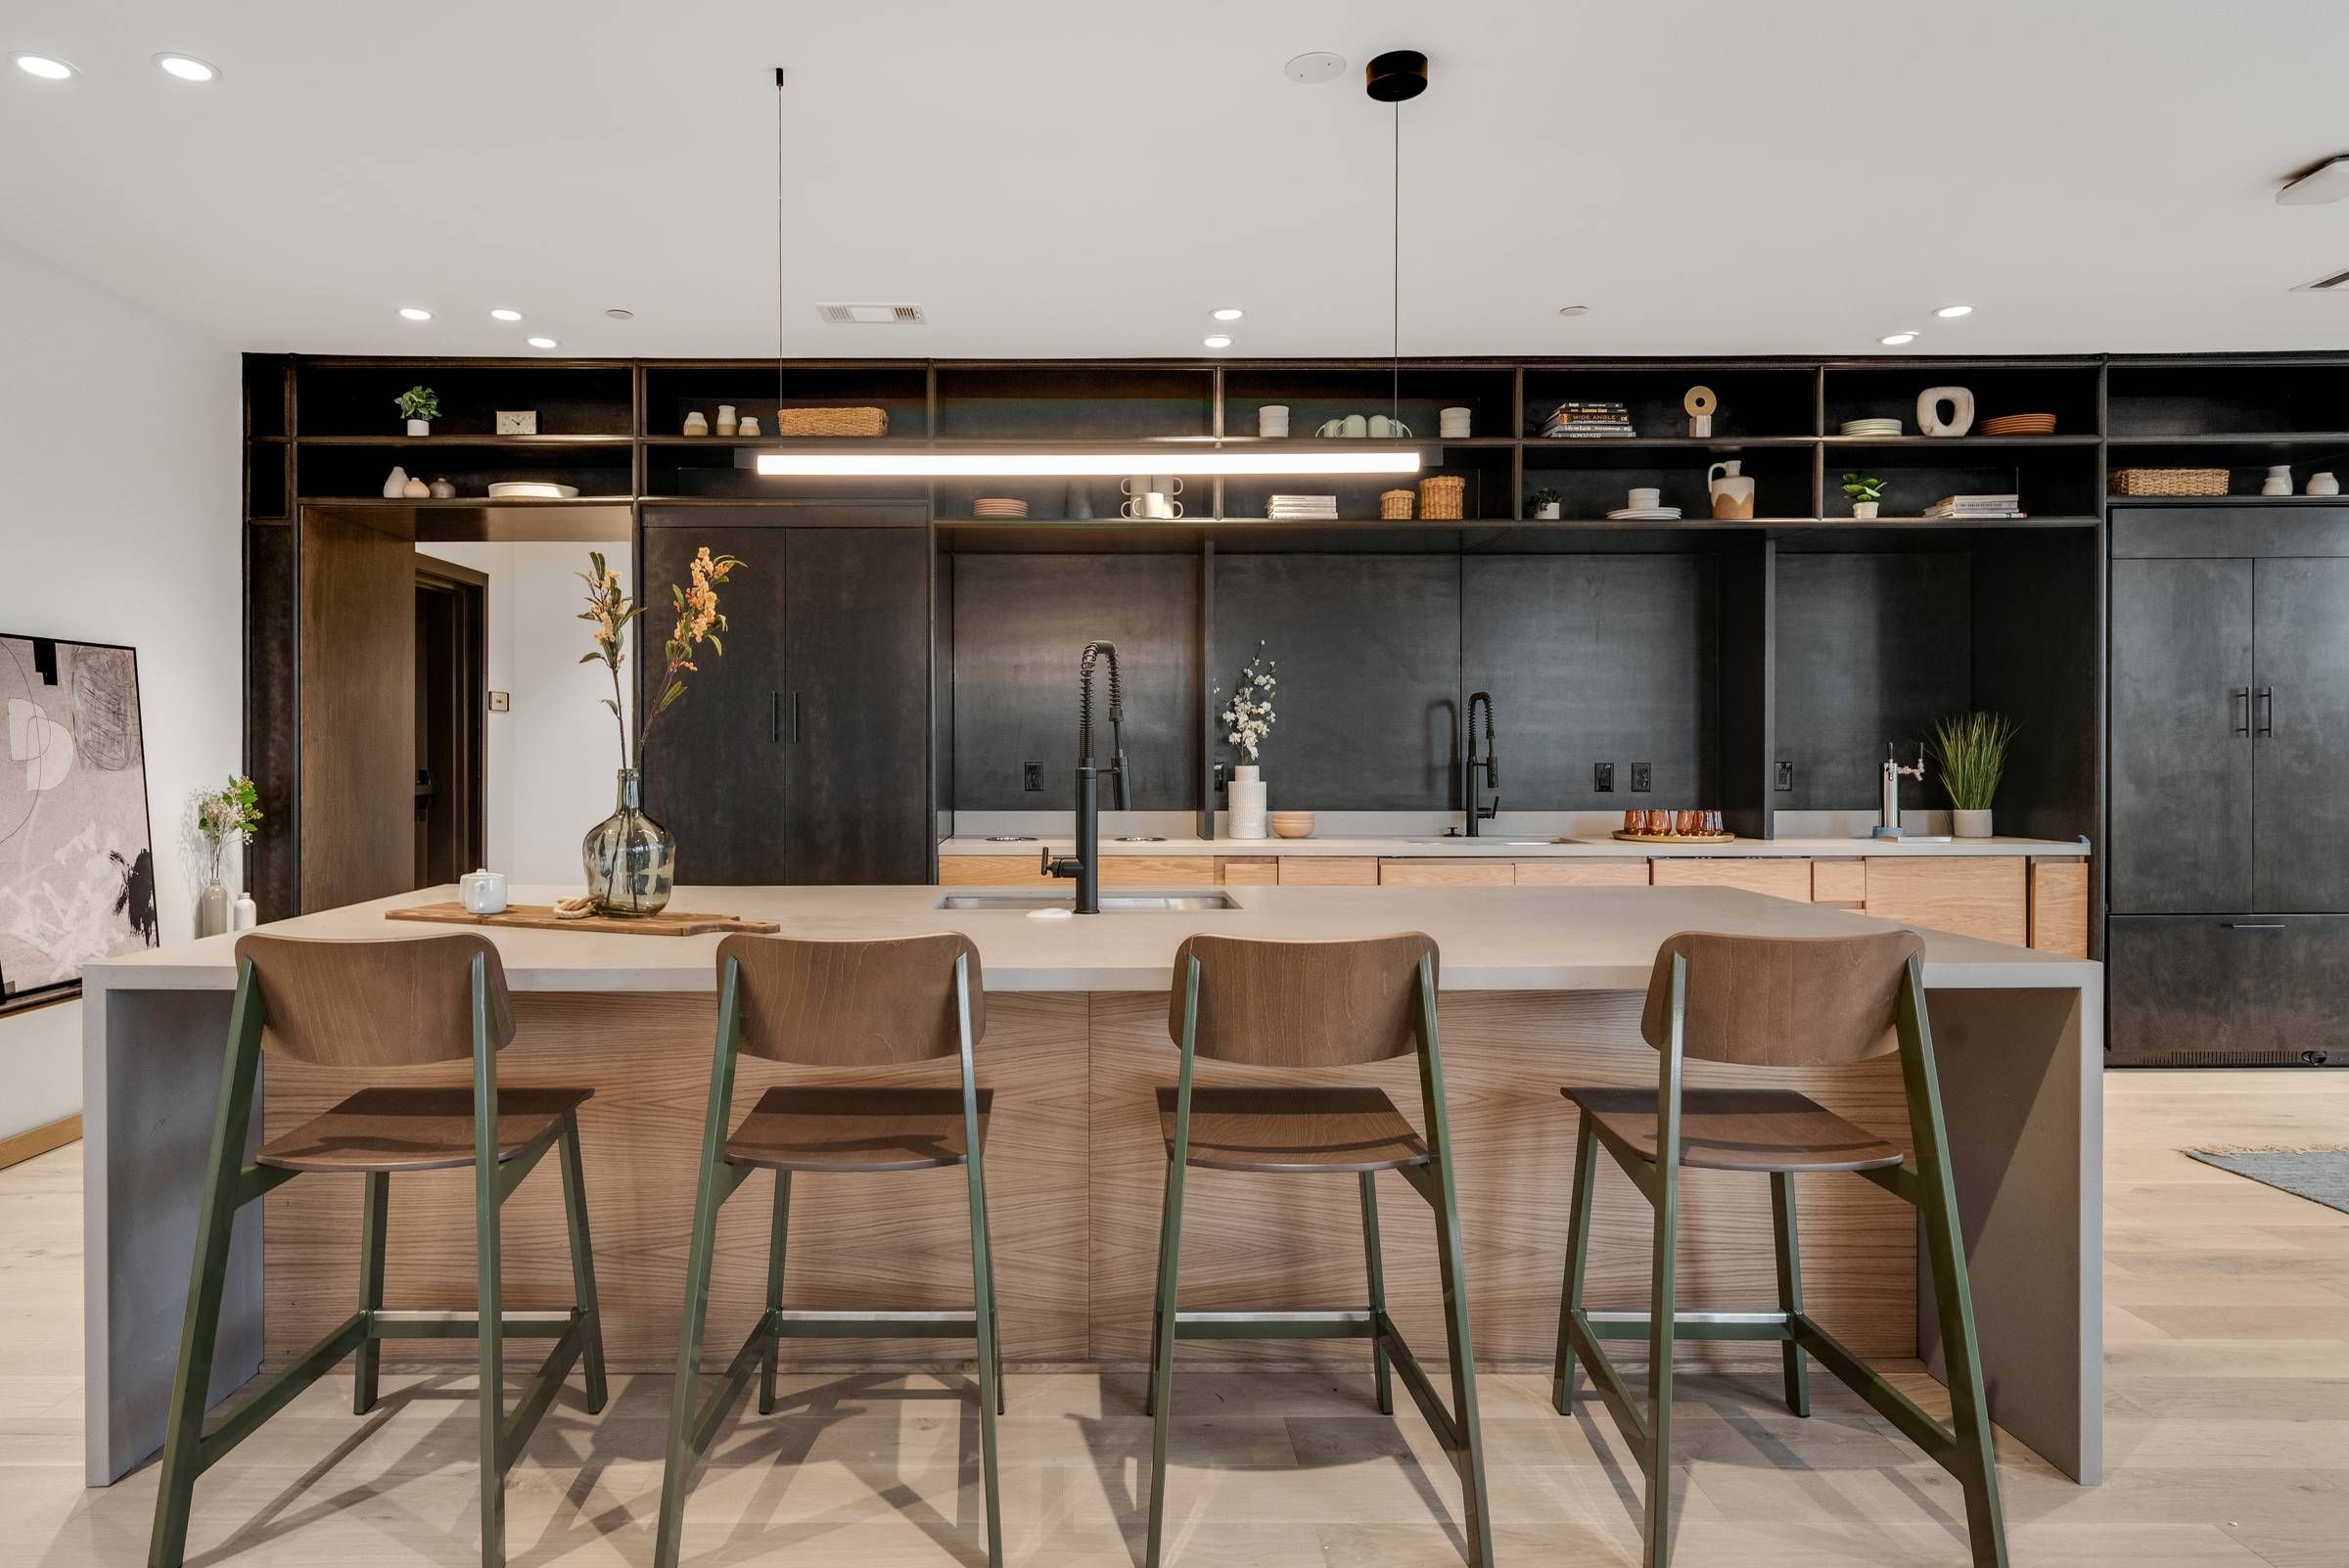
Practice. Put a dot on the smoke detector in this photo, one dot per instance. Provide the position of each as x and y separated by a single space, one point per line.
871 315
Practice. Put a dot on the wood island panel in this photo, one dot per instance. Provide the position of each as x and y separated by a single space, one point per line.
1842 883
1328 871
1582 873
1974 896
1446 874
1786 878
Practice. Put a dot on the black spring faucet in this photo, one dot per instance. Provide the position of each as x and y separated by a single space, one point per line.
1085 866
1488 763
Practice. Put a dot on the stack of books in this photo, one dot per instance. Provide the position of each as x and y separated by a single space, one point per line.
1302 506
1588 421
1966 506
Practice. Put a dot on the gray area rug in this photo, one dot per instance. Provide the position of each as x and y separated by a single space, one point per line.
2321 1176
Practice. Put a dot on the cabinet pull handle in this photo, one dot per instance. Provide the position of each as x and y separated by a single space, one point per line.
774 718
2240 693
795 718
2255 925
2266 711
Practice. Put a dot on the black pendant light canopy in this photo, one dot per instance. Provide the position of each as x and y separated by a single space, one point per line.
1395 75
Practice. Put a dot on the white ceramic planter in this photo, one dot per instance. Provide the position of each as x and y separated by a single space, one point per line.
1865 510
1547 511
1970 824
420 427
1244 803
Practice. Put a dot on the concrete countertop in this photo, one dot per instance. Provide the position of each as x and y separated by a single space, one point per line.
1491 847
1492 938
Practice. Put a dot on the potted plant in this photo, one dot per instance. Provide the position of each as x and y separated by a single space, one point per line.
1971 751
1247 721
231 811
1544 504
630 859
419 405
1865 493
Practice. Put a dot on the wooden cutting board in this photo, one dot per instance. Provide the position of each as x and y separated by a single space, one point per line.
542 917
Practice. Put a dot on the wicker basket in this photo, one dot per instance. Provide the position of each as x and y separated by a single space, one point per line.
831 421
1441 496
2169 481
1396 505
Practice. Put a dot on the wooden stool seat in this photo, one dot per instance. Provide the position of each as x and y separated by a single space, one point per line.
1739 1130
418 1129
855 1130
1294 1129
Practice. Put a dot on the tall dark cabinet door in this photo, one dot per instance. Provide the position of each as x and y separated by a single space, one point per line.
2301 727
856 705
714 773
2182 760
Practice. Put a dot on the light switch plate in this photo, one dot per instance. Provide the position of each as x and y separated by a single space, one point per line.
1603 778
499 702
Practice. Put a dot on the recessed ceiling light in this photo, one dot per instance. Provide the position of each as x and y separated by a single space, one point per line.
1316 66
1574 310
1228 313
617 314
542 343
187 68
1216 339
1953 312
46 66
505 315
1893 339
415 314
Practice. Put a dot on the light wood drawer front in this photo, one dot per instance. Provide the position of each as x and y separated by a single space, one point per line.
1447 873
1843 882
1978 895
1328 871
2059 906
988 870
1783 877
1247 873
1582 873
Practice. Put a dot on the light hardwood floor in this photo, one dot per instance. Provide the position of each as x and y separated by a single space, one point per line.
2228 1431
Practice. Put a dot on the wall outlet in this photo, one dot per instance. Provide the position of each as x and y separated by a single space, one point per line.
499 702
1644 778
1603 778
1035 776
1785 777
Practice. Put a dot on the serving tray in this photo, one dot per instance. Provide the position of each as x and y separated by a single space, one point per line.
1676 838
542 917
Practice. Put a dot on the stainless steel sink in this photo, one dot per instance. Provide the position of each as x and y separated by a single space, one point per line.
1499 844
1111 902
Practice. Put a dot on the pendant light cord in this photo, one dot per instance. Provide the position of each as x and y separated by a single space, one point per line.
782 381
1394 339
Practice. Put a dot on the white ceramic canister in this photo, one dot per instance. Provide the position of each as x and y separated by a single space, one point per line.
1244 803
483 891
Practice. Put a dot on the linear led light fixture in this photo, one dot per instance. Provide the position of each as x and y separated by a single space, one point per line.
1369 459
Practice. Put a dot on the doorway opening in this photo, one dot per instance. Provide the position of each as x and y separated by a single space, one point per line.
452 621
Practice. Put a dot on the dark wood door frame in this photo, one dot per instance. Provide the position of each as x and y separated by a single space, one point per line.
467 782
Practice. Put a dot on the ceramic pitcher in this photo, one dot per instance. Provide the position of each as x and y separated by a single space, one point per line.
1732 493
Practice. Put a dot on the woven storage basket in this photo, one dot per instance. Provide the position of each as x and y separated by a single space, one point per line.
1396 505
1441 496
831 421
2169 481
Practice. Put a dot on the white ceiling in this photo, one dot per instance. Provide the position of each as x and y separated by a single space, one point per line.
1073 177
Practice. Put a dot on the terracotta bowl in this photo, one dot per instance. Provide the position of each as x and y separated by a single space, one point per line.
1291 824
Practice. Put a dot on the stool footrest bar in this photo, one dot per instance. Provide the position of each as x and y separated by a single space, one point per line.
799 1323
1693 1325
1354 1324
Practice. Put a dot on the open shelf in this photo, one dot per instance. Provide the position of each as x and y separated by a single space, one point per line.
357 397
1315 395
1756 401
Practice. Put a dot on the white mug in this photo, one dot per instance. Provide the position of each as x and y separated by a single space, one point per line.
1151 504
1454 420
1645 500
482 892
1162 484
1381 425
1355 425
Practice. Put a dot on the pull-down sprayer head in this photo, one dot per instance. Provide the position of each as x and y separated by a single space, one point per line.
1123 800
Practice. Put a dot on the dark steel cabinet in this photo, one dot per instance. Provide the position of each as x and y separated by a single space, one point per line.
2213 990
801 754
2300 737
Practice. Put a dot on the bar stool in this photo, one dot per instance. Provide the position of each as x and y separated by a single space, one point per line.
885 1003
362 1005
1314 1005
1777 1002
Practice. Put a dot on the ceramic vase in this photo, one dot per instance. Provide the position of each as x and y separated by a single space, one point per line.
211 909
2323 485
1970 824
1244 803
395 483
630 860
444 490
416 489
244 914
2279 480
1731 491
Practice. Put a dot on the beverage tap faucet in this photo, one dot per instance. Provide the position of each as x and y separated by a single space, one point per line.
1085 866
1888 824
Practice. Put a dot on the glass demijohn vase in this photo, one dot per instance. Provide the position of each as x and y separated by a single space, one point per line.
631 860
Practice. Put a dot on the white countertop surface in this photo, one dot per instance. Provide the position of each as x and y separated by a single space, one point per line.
1492 938
1491 847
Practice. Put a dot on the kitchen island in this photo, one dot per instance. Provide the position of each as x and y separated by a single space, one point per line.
1542 986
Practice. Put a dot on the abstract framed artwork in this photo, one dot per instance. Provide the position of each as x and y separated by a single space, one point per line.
77 857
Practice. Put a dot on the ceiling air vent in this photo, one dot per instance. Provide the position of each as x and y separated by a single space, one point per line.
871 315
2331 281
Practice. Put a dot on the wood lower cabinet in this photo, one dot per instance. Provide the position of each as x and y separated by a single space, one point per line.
1247 871
2059 906
1974 896
1784 877
1841 882
1117 871
1582 873
988 870
1446 874
1328 871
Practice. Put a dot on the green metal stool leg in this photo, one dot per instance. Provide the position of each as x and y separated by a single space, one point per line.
1158 1307
489 1271
1578 1256
1453 1274
1793 1362
995 1319
1661 1323
1375 1265
374 1210
990 1385
778 1235
582 1263
1161 1354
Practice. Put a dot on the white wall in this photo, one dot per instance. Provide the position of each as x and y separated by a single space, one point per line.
119 523
552 757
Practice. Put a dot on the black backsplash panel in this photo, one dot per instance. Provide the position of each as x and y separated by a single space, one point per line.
1020 625
1871 648
1369 652
1597 659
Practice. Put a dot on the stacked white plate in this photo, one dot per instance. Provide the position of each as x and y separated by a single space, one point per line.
998 506
1645 514
533 490
1454 424
1871 427
1302 506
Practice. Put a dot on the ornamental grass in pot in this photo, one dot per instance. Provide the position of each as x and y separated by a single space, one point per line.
1971 751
